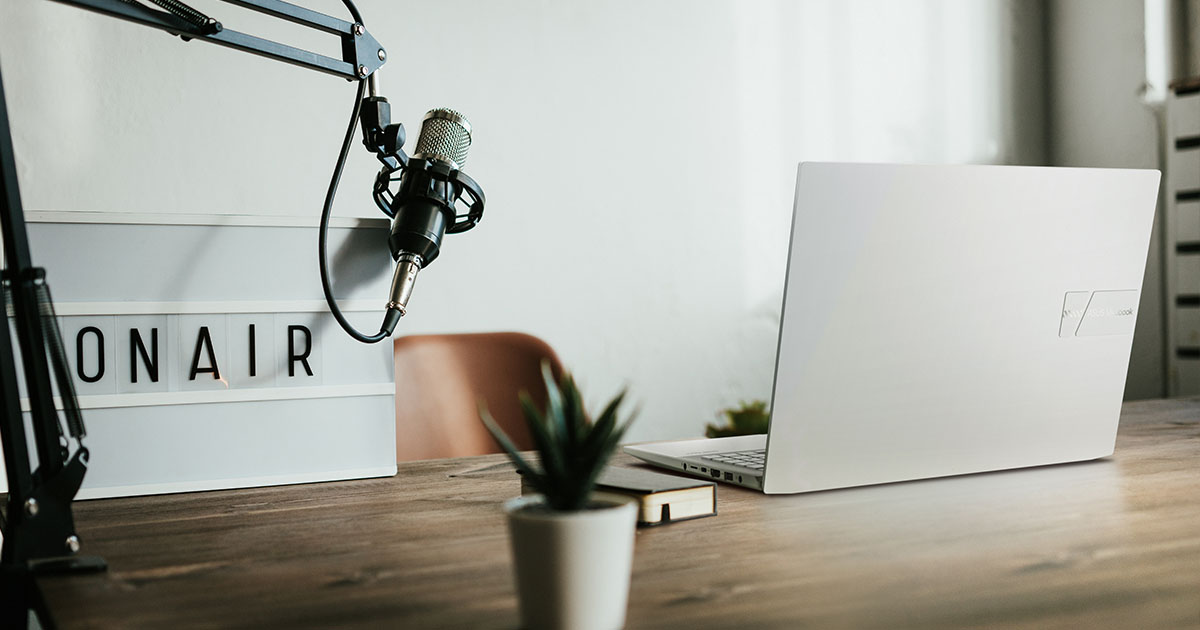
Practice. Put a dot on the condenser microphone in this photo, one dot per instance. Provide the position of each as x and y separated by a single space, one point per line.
423 209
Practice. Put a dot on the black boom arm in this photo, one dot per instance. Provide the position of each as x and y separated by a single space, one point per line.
37 523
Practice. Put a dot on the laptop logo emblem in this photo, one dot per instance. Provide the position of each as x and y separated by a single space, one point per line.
1097 313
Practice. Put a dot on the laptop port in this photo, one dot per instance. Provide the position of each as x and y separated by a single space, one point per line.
703 469
716 473
728 476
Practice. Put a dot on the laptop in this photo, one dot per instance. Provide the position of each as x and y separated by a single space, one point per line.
943 320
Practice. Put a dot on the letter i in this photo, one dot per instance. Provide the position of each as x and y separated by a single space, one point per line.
253 360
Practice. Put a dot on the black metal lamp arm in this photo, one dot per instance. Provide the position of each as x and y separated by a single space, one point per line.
362 54
37 523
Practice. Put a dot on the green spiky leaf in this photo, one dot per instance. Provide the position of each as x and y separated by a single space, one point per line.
572 449
502 439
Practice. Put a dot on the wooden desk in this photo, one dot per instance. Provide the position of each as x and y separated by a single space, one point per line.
1106 544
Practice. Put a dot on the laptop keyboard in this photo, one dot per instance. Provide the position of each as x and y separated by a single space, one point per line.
754 459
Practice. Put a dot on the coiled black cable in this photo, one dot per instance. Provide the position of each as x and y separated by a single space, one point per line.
353 11
322 244
392 316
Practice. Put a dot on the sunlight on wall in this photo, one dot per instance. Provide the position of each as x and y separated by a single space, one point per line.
859 81
639 157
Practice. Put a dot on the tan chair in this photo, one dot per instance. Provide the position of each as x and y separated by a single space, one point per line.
440 380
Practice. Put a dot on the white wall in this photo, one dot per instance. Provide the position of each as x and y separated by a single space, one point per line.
638 157
1098 117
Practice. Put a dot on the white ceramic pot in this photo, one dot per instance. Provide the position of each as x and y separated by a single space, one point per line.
572 568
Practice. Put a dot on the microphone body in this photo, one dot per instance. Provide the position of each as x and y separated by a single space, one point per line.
424 206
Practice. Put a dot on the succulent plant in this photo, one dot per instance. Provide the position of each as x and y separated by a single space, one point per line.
748 419
572 449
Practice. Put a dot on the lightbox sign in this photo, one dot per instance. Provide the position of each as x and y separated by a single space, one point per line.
186 352
197 343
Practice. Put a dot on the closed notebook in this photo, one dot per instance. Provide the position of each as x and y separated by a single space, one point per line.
661 498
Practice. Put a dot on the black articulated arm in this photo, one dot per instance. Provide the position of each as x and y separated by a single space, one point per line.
362 55
37 524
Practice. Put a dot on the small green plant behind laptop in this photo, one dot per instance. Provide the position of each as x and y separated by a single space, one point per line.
572 449
748 419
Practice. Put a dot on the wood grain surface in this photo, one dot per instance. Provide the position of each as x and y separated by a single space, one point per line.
1113 543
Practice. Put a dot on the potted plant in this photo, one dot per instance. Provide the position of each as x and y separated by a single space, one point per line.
572 547
747 419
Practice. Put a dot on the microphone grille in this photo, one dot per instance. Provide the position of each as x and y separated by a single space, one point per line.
445 136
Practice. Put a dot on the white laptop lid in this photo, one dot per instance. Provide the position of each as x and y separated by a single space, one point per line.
943 320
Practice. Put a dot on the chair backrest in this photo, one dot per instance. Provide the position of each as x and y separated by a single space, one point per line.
441 380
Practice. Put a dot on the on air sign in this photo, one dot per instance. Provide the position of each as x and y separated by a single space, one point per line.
196 341
111 354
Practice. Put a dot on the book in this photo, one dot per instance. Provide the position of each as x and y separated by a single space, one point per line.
662 498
